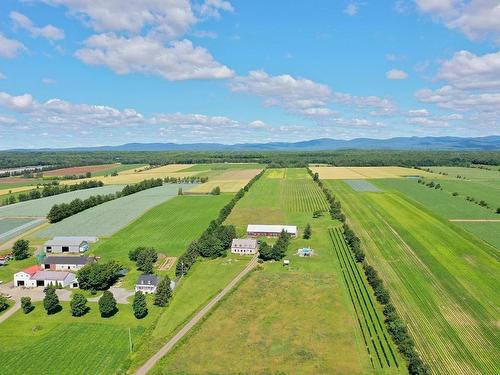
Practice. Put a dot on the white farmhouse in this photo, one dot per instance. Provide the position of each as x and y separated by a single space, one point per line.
244 246
147 284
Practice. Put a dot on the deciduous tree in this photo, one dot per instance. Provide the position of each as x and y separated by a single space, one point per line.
21 249
107 304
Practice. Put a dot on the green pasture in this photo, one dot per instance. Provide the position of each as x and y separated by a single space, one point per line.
469 173
107 218
41 207
62 344
443 280
7 271
297 320
20 183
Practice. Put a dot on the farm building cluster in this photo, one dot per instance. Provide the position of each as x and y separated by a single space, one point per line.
35 276
250 246
68 244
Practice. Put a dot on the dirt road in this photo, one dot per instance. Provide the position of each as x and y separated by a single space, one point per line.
179 335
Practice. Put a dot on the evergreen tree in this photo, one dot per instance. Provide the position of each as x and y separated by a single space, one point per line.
107 304
163 292
51 301
26 304
4 303
78 305
307 232
139 305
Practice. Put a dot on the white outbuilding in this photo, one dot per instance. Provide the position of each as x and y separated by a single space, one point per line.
35 276
258 230
66 245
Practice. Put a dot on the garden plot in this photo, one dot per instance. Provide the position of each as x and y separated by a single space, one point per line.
41 207
363 186
109 217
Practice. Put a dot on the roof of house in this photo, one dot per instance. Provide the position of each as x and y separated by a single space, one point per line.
66 241
257 228
81 238
148 280
247 243
31 270
53 275
68 260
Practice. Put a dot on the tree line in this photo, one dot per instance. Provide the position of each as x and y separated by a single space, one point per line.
61 211
10 159
277 251
51 189
395 325
216 238
185 180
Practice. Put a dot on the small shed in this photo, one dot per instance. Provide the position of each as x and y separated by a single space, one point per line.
286 262
305 252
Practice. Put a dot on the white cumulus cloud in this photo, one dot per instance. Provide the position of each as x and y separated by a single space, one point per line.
9 48
49 31
396 74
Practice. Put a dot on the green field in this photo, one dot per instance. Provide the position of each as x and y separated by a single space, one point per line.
21 182
273 315
107 218
444 204
469 173
442 279
119 168
221 167
61 344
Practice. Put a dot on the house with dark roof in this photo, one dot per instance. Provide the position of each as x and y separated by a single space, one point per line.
62 263
147 283
66 245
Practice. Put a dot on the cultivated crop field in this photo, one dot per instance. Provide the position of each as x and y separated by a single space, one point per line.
353 173
273 314
85 345
107 218
81 170
9 227
41 207
229 181
442 279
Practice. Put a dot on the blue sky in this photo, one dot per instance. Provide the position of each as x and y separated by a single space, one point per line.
84 72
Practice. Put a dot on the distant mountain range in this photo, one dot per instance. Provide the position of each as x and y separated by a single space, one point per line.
489 143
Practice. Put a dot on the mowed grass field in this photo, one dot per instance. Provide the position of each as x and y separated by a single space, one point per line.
353 173
443 280
469 173
281 321
229 181
62 344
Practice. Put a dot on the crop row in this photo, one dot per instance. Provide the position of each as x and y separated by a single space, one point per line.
303 196
374 336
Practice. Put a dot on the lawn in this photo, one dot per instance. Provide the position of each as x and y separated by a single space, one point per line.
8 271
62 344
298 320
107 218
442 279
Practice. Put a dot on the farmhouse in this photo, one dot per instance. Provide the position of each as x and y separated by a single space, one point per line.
66 245
61 263
244 246
147 283
270 230
34 276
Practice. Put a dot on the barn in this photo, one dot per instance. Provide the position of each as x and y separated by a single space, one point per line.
257 230
35 276
62 263
66 245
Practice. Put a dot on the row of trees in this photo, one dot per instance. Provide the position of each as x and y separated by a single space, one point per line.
335 205
12 159
185 180
51 189
61 211
216 238
395 326
430 184
277 251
